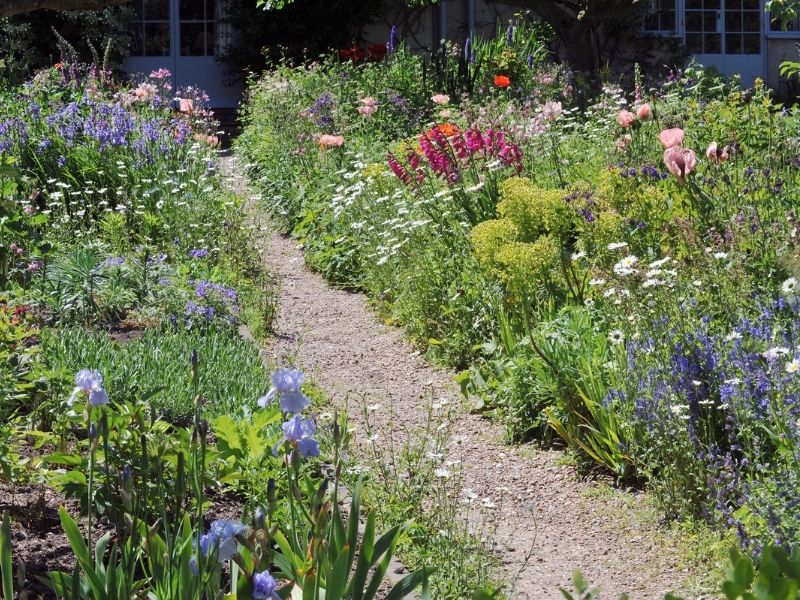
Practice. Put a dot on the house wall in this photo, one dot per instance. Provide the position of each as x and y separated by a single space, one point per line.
420 28
779 50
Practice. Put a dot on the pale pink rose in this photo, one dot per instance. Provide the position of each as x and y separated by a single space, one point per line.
367 110
644 112
369 101
444 114
186 105
670 138
440 99
680 161
327 141
626 118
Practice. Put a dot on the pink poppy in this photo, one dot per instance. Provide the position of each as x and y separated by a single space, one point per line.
626 118
644 112
715 154
680 161
671 137
327 141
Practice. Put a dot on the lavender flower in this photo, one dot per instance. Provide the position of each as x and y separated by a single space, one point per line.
198 253
286 383
264 586
391 45
221 537
89 383
299 433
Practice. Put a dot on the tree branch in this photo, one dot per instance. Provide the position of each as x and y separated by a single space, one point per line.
10 8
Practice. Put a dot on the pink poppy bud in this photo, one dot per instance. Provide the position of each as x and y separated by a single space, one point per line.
644 112
680 161
626 118
723 156
716 154
671 137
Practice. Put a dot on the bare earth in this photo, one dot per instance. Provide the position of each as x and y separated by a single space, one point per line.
548 522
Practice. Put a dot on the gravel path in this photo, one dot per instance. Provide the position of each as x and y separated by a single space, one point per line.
550 523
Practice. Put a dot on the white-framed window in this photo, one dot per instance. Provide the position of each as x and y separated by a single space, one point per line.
792 30
662 17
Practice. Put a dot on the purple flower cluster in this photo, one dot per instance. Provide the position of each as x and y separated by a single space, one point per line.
733 398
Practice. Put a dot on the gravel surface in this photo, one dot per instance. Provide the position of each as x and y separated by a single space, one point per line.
548 522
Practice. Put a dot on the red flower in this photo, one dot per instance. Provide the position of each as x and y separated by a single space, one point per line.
502 81
376 52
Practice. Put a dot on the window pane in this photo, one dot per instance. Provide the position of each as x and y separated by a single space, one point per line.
211 10
137 39
193 39
751 43
733 43
668 21
711 4
694 21
733 21
751 4
713 43
751 21
710 20
694 43
192 10
156 10
211 39
156 39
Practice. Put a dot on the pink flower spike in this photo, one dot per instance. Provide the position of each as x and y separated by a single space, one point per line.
670 138
644 112
680 161
715 154
626 119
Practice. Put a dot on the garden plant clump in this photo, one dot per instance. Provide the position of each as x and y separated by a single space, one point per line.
141 441
619 277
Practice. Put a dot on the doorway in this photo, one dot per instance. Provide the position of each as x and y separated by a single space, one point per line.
185 37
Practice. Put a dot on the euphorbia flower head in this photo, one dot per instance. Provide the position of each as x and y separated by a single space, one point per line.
680 161
644 112
671 138
626 118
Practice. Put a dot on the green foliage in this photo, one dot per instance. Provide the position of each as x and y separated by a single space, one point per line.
158 360
6 573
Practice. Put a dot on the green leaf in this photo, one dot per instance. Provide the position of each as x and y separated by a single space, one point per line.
337 578
5 558
81 552
408 584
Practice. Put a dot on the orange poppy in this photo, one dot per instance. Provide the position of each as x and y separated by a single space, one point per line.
448 129
502 81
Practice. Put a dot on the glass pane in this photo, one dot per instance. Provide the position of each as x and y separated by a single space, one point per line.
693 22
694 43
710 20
713 43
733 43
211 10
668 21
751 4
156 39
751 21
751 43
192 10
211 39
138 9
693 4
193 39
156 10
137 39
733 21
711 4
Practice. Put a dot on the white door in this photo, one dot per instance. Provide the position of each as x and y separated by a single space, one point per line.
727 34
183 36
